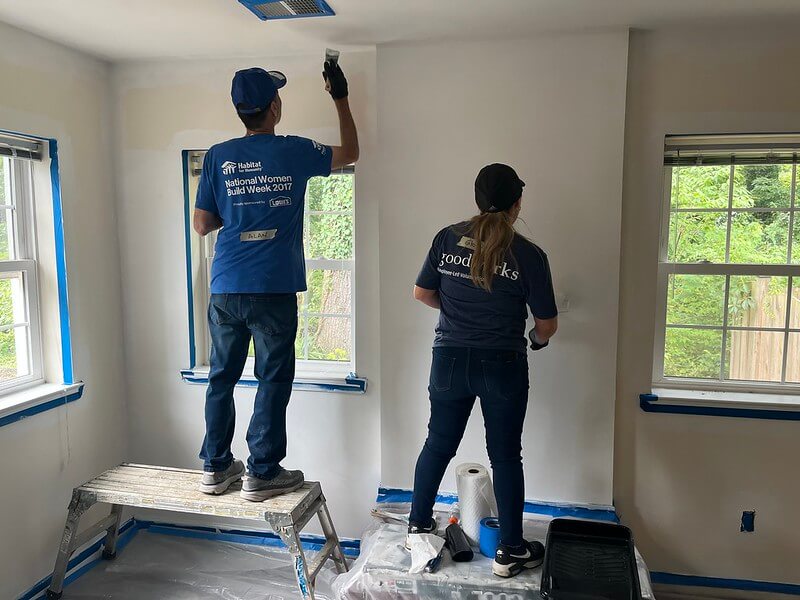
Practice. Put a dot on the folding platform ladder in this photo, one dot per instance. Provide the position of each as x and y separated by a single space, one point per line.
176 490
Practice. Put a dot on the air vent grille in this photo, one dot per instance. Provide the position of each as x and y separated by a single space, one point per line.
288 9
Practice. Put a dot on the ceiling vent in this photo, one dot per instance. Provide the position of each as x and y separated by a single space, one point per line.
288 9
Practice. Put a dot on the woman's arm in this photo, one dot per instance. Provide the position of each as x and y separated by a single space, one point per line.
544 329
427 297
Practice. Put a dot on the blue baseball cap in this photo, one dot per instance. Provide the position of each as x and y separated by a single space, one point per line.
252 90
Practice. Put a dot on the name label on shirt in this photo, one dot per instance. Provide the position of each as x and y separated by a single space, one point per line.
257 236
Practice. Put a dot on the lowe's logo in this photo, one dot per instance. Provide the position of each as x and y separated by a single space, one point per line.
228 167
282 201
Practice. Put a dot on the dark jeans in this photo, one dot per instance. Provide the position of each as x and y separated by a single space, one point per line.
500 379
271 321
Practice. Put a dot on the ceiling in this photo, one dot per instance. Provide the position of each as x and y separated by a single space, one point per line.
120 30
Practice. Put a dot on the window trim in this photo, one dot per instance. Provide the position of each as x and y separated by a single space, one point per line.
666 268
37 398
311 375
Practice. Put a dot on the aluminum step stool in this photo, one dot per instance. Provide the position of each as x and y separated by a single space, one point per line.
165 488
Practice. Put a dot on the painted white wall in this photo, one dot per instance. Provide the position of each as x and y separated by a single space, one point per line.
162 109
683 481
51 91
553 108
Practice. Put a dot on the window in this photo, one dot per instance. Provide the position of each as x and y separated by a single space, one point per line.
729 268
324 343
20 342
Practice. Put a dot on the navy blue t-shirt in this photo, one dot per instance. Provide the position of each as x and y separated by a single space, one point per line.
257 186
473 317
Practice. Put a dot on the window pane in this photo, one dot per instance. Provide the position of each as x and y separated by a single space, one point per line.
14 361
757 301
759 238
330 236
754 355
328 292
6 247
329 338
794 316
796 238
793 359
299 341
700 187
762 186
695 299
697 237
693 353
12 299
330 193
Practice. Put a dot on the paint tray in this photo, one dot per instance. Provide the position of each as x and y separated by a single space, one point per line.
589 560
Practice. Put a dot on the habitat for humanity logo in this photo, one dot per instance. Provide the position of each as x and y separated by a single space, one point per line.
229 167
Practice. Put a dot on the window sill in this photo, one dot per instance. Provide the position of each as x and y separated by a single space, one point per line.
34 400
348 384
748 405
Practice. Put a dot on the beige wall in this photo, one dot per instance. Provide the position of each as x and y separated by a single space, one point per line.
554 107
50 91
682 482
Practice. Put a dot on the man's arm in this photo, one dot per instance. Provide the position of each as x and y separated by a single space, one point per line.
204 222
427 297
544 329
336 84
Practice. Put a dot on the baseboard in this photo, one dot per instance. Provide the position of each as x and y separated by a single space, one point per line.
671 585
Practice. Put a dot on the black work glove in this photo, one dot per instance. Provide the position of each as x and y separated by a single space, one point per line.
534 344
336 83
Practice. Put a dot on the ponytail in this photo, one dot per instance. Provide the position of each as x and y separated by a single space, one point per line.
493 234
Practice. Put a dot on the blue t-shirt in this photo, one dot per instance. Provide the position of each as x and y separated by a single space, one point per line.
257 186
473 317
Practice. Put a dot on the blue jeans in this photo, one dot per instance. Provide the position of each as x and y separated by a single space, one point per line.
271 321
500 379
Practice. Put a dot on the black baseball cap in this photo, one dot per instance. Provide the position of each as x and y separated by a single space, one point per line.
253 90
497 188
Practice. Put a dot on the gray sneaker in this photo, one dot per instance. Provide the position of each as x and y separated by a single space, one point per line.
258 490
218 482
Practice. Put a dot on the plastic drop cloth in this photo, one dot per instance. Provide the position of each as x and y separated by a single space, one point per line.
164 567
381 571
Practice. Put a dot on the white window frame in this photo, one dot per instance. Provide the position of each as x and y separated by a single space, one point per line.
304 369
22 193
666 268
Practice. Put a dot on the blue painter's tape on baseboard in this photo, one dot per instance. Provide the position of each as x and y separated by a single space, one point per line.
126 532
730 584
40 408
352 383
253 538
649 403
539 508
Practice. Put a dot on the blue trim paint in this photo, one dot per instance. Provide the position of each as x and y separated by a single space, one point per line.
39 408
539 508
61 264
649 403
188 239
352 383
327 11
729 584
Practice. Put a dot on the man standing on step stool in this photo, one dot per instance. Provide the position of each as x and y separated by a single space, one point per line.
253 188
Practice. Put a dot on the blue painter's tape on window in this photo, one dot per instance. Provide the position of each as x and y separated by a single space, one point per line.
351 384
39 408
650 403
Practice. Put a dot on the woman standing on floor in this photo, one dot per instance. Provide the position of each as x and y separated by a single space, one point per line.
481 274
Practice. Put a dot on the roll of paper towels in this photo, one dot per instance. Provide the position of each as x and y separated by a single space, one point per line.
475 498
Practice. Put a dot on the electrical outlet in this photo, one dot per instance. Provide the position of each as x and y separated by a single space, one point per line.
748 521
